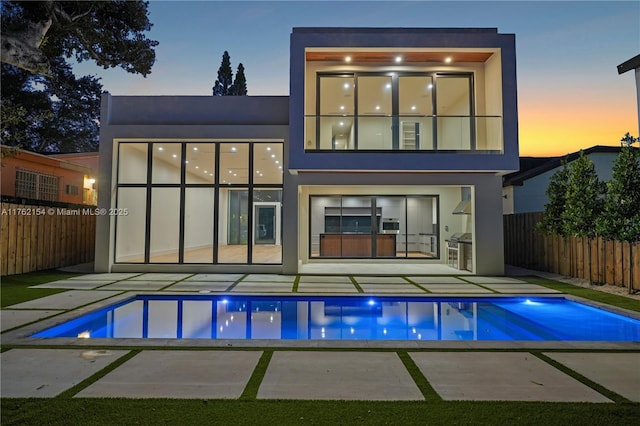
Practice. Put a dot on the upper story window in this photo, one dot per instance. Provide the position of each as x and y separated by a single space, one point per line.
369 106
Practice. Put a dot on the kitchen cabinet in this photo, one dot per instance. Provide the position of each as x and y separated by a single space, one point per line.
357 245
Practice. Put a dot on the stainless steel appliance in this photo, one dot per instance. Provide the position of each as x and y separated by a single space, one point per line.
459 251
390 226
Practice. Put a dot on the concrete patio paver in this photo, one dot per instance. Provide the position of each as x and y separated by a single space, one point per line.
380 280
520 288
270 278
65 300
215 277
436 280
109 276
257 287
10 318
160 277
619 372
326 288
494 280
500 376
137 285
338 375
325 279
43 373
178 374
201 286
391 288
455 288
74 284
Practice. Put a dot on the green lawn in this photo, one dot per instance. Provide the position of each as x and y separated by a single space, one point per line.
15 288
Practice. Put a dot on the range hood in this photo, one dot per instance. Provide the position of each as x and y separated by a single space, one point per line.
463 207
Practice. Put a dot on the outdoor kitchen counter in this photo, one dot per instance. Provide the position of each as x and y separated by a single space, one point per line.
356 245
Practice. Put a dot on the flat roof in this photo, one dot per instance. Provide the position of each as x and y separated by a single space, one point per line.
389 30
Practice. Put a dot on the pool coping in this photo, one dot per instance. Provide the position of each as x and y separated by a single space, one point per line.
21 336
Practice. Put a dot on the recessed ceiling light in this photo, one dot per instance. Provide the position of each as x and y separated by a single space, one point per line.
186 161
448 59
342 123
388 85
174 156
195 148
347 59
205 171
277 162
398 58
273 156
377 107
230 171
210 174
197 167
234 175
430 86
234 149
342 107
268 148
346 85
413 107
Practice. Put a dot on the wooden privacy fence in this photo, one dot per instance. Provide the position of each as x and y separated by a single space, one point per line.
610 262
43 237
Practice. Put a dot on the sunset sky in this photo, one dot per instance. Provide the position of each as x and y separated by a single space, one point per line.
570 95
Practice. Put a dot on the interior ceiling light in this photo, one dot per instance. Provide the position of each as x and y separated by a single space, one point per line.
341 107
413 107
234 149
347 59
160 148
342 123
398 58
195 148
174 156
430 86
268 148
346 85
388 85
448 59
377 107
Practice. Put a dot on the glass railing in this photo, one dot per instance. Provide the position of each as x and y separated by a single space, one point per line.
403 133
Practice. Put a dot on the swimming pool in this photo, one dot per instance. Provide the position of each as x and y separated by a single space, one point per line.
349 318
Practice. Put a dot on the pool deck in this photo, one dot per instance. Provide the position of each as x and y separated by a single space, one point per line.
336 370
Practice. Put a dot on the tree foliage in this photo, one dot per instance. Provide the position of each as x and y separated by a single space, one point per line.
240 82
44 107
225 85
584 198
36 34
557 196
621 216
49 114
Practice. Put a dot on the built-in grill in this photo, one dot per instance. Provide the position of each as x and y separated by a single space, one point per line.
459 250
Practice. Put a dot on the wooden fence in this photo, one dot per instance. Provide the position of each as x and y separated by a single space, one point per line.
36 237
608 262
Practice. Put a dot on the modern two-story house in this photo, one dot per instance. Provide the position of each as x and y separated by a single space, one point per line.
387 157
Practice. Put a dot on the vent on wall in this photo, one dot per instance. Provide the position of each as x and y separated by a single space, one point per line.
71 190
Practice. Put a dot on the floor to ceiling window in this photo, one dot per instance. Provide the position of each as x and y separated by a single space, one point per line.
204 202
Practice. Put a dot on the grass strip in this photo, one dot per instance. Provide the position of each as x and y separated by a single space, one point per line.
296 282
97 376
587 293
15 288
421 381
123 411
251 390
356 285
617 398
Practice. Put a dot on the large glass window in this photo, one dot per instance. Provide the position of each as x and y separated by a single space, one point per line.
194 204
374 112
401 111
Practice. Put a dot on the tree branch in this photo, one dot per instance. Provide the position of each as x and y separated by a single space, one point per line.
22 48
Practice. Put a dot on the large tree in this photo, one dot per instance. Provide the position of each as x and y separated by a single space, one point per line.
44 106
557 196
584 199
36 33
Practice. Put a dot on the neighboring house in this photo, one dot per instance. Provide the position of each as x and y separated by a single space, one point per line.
389 151
633 64
59 178
524 191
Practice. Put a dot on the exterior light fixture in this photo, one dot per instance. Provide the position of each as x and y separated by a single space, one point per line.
347 59
91 180
448 59
398 58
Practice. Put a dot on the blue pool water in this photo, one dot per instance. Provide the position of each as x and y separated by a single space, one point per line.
349 318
